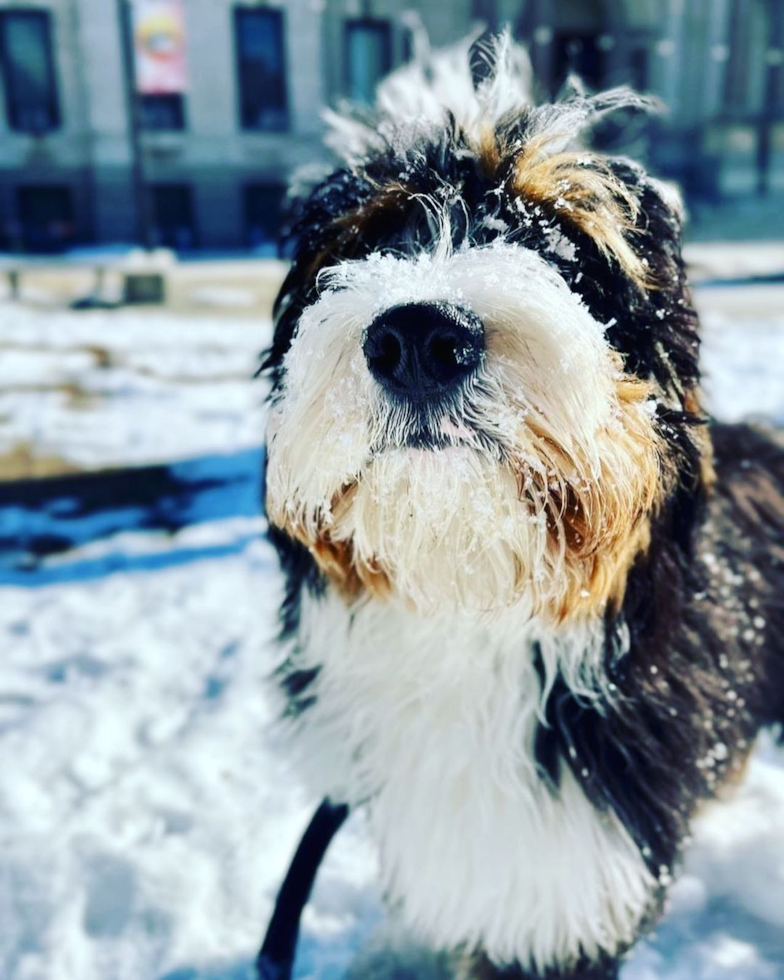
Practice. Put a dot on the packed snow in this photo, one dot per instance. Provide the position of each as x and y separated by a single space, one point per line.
116 388
147 811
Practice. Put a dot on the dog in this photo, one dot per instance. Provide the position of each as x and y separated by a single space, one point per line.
533 614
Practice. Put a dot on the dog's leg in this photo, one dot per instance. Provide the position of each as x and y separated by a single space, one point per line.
276 957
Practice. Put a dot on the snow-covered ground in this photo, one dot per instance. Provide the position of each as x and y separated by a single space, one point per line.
114 388
147 812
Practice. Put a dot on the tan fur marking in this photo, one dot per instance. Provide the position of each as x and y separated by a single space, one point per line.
336 558
582 190
601 529
489 152
348 230
692 403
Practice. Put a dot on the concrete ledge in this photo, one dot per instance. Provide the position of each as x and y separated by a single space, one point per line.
734 260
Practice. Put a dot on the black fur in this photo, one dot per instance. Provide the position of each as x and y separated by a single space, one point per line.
705 666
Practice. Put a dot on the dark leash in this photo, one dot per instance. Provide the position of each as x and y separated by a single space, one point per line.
276 956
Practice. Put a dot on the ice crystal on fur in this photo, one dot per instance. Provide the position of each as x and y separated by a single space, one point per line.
438 86
419 95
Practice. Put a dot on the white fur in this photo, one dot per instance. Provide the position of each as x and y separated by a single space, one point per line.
431 722
414 100
468 524
418 95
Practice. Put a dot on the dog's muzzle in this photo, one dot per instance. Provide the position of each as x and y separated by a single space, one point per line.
422 352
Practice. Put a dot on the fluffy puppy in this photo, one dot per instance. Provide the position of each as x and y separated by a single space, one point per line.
533 611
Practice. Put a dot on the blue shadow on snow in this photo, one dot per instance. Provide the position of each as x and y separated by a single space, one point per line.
49 517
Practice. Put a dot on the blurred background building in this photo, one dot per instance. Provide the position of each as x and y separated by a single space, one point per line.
228 97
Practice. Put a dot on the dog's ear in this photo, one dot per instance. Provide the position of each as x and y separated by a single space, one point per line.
658 331
654 327
670 311
309 241
659 224
348 215
670 195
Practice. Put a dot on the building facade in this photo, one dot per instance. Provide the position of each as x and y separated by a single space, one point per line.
207 161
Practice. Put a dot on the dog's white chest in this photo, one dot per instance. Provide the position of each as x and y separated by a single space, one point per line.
432 724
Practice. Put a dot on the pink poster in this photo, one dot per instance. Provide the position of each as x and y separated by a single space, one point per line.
159 36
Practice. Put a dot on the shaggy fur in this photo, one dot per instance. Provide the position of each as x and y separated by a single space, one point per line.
534 622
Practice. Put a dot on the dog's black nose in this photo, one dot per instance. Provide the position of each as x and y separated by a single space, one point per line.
422 350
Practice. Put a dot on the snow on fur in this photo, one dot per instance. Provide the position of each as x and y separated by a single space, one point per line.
419 97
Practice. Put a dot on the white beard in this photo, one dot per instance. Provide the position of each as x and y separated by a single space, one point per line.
471 526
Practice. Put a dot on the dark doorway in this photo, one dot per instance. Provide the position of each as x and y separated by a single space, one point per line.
582 30
579 53
164 112
263 207
172 217
46 217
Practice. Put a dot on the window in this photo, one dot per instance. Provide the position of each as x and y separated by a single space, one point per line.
368 57
261 69
746 72
162 111
263 205
28 71
639 68
46 217
172 217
